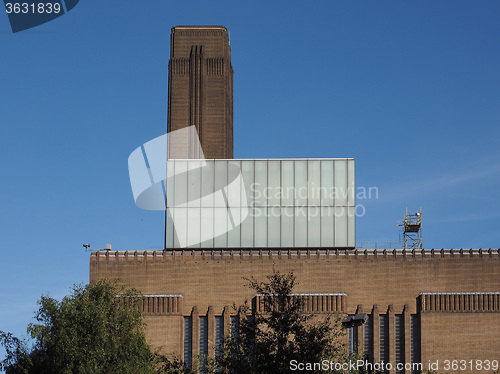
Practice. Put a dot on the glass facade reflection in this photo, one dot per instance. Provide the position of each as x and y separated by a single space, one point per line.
303 203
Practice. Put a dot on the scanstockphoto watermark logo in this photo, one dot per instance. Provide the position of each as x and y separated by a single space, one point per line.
310 200
353 366
26 14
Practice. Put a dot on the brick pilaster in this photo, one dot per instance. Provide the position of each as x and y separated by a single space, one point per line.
211 331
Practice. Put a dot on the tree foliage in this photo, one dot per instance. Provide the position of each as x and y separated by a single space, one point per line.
98 329
268 341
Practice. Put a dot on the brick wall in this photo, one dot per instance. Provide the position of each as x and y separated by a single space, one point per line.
452 292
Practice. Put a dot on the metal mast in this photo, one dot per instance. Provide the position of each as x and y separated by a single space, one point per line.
411 230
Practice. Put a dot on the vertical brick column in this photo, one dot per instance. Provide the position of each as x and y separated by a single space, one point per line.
392 338
227 321
195 337
241 317
178 304
376 334
360 333
211 331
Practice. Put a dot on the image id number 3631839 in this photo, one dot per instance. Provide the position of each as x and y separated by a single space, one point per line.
470 365
32 8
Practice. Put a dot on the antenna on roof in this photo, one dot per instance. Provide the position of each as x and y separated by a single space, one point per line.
411 230
108 248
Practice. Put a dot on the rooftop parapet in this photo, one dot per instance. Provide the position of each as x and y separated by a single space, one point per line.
292 253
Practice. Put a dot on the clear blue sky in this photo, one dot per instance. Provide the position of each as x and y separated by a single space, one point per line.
410 89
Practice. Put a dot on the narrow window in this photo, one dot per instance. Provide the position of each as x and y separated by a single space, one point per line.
219 334
188 340
368 339
415 341
203 341
384 338
400 340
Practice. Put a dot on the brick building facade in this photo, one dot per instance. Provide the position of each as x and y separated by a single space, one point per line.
423 305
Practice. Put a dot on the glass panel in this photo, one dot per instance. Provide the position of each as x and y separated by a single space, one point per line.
234 227
313 182
180 225
247 171
300 183
194 183
287 226
274 183
207 244
260 183
180 188
220 183
169 242
235 183
300 227
351 197
273 226
287 183
278 183
260 227
170 182
314 226
327 183
340 227
327 227
220 198
247 230
220 228
351 227
340 182
207 227
194 225
207 184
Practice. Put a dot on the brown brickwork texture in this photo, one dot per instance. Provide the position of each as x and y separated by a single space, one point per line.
465 324
201 90
460 336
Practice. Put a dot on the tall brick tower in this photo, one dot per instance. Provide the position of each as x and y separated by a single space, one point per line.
200 91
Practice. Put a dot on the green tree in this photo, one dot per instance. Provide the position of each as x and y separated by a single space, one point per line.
97 329
269 341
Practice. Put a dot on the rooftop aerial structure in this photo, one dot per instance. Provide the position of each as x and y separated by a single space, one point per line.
411 230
